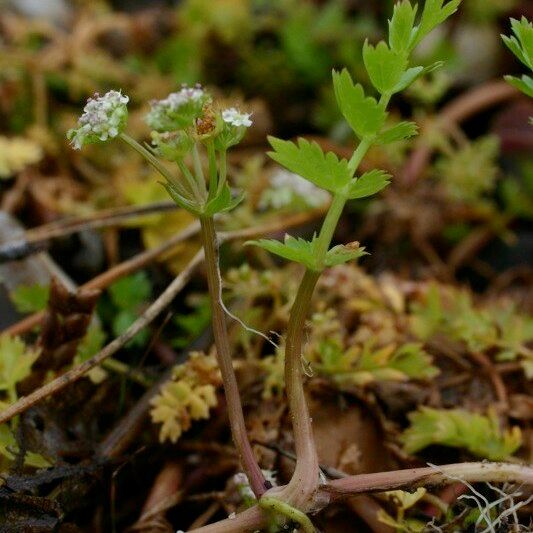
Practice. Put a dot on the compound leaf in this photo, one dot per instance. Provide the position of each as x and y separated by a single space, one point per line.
481 435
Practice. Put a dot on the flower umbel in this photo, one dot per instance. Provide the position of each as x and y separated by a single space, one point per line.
104 117
178 110
235 125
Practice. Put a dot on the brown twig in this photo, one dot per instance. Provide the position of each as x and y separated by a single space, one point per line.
166 484
77 372
37 239
107 278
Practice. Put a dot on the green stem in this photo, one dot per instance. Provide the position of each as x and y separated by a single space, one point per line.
276 506
328 228
305 479
200 178
155 163
213 174
358 155
220 333
192 182
222 170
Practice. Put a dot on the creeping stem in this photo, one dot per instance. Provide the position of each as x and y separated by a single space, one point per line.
236 418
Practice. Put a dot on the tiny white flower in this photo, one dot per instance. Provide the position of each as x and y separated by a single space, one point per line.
236 118
103 118
177 110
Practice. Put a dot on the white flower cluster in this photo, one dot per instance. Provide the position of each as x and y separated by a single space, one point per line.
236 118
164 115
103 118
287 188
175 100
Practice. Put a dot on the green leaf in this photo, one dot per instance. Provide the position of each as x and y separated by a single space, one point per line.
16 360
480 435
30 298
343 253
180 200
130 292
384 66
524 84
297 250
521 43
365 364
398 132
309 161
434 13
364 115
222 202
412 74
413 361
401 26
368 184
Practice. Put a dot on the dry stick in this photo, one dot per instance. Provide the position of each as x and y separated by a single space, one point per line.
148 316
37 239
77 372
107 278
103 218
463 107
477 472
